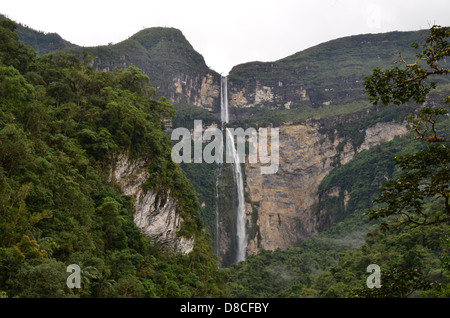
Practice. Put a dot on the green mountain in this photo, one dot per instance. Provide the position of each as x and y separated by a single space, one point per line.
82 154
306 230
174 67
323 81
41 42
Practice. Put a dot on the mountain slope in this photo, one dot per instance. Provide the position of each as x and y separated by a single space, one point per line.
86 178
315 96
174 67
41 42
322 81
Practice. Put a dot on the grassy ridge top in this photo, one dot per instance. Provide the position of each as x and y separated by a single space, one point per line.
331 73
155 50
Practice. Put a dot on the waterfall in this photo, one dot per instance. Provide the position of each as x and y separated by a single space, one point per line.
224 100
240 215
217 212
241 238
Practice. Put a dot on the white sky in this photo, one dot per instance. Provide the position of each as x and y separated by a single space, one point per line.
230 32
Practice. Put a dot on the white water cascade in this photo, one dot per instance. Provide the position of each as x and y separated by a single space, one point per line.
241 242
224 100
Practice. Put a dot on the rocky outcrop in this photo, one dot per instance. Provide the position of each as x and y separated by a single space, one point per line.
175 69
274 93
155 213
200 90
382 132
284 202
330 74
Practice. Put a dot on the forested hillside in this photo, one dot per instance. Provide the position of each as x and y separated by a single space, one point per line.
60 124
333 264
65 117
401 187
43 43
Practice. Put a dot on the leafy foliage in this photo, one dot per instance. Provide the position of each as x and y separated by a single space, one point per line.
413 260
61 123
426 174
334 264
399 85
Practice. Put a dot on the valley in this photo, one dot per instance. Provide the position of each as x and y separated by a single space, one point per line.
303 227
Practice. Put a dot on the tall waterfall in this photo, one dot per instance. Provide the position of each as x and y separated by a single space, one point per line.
224 100
241 239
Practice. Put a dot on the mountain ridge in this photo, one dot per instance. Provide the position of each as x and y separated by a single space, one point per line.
321 76
41 42
323 83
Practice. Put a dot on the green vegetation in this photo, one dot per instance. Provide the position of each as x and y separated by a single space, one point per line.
186 114
360 180
414 258
42 43
161 53
362 177
203 178
262 117
420 195
333 264
60 125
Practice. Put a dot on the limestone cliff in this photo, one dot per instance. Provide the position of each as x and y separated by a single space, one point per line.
276 89
329 74
175 69
202 90
284 202
155 213
382 132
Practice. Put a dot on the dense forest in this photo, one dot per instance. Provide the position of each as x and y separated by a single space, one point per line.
332 264
60 124
397 216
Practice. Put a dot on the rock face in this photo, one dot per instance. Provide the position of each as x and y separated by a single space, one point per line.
326 81
272 93
175 69
284 202
201 90
382 132
280 207
329 74
155 213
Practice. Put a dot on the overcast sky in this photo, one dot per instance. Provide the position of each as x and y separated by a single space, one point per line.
230 32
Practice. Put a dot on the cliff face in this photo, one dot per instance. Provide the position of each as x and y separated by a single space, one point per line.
281 208
381 131
285 201
176 70
200 90
155 213
331 73
325 82
269 85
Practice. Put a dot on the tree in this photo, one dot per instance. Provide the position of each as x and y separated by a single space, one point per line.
62 125
13 52
420 195
400 282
